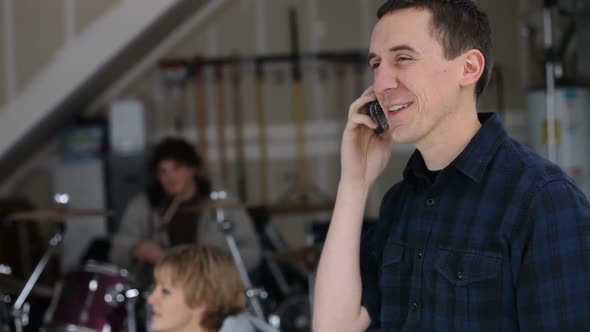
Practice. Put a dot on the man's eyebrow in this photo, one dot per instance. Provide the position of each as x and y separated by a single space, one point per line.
403 47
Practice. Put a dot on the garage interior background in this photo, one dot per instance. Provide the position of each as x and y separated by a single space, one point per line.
87 86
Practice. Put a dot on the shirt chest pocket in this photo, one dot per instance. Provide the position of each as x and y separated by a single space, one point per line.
470 282
465 267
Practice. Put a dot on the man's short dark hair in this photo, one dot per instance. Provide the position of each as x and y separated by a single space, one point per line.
459 25
176 149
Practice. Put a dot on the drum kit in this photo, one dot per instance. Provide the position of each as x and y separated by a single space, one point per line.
103 297
93 297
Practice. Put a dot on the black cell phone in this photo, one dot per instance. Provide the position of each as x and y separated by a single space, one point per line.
378 115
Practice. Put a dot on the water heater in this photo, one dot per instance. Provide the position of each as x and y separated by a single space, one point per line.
572 130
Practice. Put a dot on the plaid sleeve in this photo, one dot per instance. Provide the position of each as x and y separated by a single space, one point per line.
371 299
553 283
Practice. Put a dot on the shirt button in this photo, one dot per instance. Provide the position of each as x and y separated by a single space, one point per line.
414 306
419 253
460 275
430 202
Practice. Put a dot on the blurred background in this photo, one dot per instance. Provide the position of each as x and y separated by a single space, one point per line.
262 87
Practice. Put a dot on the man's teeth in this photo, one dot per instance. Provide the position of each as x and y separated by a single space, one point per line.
397 107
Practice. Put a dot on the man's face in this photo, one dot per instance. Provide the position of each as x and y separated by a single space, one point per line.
175 177
414 83
170 312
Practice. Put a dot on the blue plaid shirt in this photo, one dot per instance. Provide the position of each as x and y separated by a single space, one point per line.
499 241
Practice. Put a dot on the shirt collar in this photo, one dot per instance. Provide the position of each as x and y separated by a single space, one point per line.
474 159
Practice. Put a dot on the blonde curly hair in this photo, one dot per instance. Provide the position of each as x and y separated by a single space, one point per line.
208 276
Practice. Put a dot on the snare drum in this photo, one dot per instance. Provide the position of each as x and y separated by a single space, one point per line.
91 298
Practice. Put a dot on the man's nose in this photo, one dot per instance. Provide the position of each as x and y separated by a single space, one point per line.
385 78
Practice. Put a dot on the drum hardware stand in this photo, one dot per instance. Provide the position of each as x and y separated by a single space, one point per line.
311 285
279 244
276 273
226 226
92 286
4 314
118 295
53 303
19 309
132 295
4 302
275 270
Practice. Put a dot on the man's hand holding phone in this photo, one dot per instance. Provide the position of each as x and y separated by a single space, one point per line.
364 153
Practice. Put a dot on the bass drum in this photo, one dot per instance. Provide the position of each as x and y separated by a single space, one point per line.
92 298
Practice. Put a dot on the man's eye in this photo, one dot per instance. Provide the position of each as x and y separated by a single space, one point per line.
165 291
374 65
403 58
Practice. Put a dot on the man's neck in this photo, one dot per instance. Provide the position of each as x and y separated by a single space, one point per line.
449 138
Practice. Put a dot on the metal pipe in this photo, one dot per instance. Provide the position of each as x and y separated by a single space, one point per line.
17 308
549 82
226 226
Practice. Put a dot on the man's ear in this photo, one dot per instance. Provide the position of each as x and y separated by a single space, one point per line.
473 67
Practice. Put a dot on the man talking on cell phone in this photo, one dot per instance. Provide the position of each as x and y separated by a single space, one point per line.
481 234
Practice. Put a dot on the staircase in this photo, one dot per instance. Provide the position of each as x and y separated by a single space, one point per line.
83 69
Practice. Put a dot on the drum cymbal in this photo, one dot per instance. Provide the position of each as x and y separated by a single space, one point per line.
308 256
59 213
274 209
212 205
296 208
11 286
